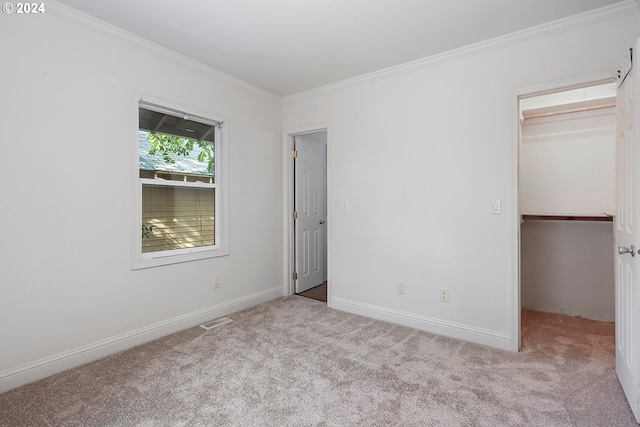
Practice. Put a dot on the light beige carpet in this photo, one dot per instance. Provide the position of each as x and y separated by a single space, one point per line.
295 362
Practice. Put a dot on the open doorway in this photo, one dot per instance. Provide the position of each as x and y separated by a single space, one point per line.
567 196
308 220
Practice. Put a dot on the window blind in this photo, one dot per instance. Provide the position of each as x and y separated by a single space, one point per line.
178 217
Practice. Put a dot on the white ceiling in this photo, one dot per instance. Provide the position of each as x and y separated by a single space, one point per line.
288 46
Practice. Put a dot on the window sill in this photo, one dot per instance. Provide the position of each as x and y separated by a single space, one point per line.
161 258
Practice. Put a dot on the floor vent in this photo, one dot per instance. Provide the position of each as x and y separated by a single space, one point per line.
215 323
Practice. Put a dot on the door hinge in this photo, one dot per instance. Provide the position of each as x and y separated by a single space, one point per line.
295 215
295 276
294 154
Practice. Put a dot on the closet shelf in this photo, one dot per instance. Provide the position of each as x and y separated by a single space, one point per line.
608 218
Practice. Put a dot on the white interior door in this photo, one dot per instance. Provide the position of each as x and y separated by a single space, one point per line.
626 238
310 207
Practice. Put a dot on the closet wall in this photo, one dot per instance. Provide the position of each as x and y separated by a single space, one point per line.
567 268
567 171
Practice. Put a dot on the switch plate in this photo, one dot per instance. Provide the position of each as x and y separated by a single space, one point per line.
496 207
344 206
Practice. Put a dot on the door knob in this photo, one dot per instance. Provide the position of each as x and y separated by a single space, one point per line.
624 250
322 221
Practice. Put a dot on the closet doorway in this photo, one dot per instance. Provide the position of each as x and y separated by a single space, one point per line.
567 195
308 228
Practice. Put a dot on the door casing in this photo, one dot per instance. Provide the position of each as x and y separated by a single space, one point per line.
540 89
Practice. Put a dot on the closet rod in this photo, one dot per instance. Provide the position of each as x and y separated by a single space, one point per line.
573 110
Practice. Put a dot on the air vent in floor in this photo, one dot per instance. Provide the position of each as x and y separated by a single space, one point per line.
215 323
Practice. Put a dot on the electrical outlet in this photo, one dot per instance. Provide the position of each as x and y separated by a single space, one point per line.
216 283
444 295
400 288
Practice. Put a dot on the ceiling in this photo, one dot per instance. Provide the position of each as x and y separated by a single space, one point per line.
289 46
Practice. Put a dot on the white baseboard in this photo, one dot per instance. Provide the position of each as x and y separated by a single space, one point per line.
20 375
437 326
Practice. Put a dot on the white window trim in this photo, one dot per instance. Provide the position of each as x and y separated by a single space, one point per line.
141 260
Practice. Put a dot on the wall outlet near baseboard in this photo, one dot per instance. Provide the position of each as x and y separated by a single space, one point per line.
216 282
444 295
400 288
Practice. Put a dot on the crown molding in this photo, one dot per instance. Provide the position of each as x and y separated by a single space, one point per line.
97 26
618 10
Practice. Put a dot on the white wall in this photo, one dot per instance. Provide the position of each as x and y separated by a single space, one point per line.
419 156
568 166
68 293
567 268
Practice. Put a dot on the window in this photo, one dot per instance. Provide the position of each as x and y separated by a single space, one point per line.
178 187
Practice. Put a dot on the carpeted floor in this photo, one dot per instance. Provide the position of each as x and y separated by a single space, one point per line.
296 362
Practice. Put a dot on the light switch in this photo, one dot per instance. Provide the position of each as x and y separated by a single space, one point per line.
496 207
344 206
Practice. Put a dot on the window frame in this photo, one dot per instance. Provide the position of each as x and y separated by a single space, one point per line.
221 247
